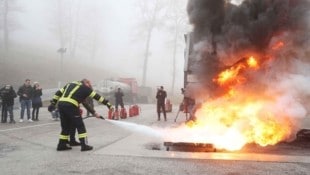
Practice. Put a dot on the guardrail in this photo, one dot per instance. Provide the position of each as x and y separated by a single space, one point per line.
47 94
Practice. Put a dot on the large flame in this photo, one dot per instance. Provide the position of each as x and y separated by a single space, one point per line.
232 74
236 122
262 93
240 116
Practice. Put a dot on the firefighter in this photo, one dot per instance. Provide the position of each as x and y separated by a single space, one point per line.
68 100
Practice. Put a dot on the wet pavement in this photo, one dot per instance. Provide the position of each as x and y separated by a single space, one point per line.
30 148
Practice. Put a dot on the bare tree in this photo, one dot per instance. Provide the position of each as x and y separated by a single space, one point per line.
75 27
8 23
150 14
61 30
5 26
177 23
66 27
91 29
78 27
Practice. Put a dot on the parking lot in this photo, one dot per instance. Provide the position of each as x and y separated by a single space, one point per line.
128 146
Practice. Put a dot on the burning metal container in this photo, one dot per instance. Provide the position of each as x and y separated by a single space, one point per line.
189 147
303 135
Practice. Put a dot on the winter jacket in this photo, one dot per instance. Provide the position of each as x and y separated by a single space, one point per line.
161 96
8 94
36 98
28 90
118 97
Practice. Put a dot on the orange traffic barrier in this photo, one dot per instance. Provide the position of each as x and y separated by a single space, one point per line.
123 113
168 106
110 114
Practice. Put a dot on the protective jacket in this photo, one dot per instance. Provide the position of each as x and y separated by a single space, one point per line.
75 93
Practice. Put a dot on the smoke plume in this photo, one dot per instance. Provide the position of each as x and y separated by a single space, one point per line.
253 69
225 33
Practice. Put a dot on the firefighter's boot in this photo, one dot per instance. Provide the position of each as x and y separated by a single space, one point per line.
63 145
74 143
85 147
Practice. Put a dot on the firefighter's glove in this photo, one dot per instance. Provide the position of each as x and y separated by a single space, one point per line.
98 116
51 107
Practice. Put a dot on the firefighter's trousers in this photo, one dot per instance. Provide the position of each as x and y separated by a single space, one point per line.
70 119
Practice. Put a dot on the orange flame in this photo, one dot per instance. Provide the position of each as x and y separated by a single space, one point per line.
278 45
227 75
232 74
235 124
252 63
238 117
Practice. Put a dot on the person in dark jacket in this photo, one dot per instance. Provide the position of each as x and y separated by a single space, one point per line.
25 94
119 98
36 101
161 97
7 94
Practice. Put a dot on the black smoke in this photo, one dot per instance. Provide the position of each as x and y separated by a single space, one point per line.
224 33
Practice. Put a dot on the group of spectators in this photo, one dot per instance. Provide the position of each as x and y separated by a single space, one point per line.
29 96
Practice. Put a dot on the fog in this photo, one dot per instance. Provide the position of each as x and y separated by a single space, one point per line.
103 39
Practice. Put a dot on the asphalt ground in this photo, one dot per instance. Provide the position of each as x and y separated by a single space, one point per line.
128 147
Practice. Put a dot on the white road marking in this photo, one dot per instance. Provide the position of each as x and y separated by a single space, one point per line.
26 127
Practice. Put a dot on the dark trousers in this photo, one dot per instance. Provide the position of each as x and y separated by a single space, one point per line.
35 113
72 132
119 103
161 108
4 113
7 110
70 119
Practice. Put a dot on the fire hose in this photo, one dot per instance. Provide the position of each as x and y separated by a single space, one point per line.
93 116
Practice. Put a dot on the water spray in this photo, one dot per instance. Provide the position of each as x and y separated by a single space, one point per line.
133 127
137 128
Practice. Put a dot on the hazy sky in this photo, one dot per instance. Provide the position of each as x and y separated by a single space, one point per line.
119 50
